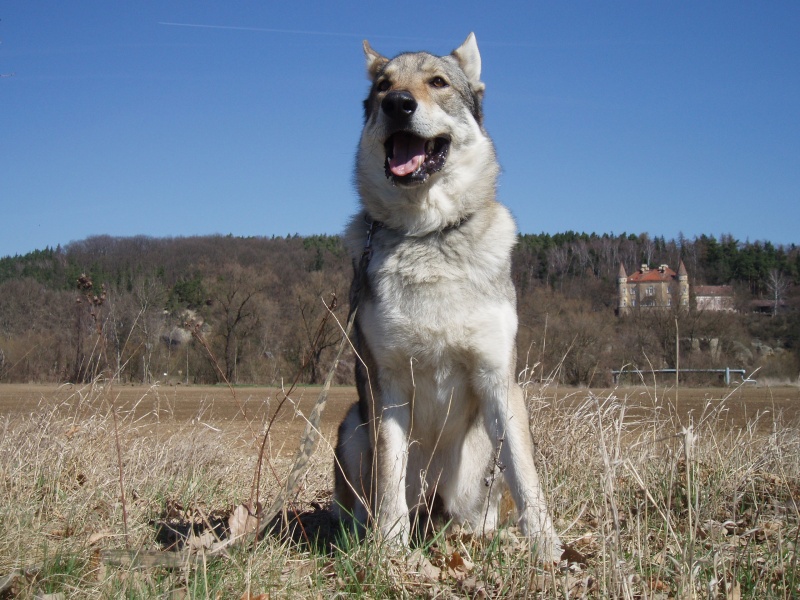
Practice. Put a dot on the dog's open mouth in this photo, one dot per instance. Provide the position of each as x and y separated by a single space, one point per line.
411 159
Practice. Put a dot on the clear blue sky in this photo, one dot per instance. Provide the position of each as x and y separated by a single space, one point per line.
661 117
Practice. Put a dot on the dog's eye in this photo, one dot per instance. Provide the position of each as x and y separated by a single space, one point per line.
384 85
439 82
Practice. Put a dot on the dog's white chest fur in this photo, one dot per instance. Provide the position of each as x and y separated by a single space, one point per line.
430 306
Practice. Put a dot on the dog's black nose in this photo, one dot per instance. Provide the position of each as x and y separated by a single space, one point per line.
399 105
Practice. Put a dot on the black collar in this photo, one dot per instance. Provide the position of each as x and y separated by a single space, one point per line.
373 226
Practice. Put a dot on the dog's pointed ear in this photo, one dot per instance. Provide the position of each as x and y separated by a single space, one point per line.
469 58
374 60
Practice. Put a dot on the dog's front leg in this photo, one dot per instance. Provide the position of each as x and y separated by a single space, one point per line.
391 466
507 420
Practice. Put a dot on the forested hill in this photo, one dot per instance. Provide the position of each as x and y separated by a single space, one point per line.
544 257
126 307
183 262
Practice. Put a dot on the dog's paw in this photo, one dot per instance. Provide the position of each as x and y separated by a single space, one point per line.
395 532
546 548
544 540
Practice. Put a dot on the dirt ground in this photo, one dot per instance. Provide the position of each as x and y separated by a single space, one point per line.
246 413
243 413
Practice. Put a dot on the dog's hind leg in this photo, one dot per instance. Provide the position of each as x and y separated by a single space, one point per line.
353 470
470 494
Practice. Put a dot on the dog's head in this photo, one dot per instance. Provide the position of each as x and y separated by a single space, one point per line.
423 127
407 93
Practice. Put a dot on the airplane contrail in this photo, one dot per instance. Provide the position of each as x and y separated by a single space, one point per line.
507 43
291 31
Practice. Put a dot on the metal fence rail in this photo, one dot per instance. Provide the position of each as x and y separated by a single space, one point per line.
726 372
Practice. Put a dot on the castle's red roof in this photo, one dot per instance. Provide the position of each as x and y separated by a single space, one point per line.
658 274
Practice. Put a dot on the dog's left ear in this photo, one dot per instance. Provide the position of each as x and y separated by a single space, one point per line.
469 58
374 60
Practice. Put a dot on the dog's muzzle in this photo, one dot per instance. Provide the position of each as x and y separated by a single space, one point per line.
411 159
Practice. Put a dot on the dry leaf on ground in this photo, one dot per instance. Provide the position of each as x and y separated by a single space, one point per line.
241 522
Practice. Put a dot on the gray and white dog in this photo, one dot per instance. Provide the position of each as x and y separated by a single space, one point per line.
440 412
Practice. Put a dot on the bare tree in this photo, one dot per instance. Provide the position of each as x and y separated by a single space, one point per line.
236 296
316 336
149 299
777 285
558 262
648 248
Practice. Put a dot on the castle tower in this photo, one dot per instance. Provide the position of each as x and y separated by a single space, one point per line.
623 302
683 286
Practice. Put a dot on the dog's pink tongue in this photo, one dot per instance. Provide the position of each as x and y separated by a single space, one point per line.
409 154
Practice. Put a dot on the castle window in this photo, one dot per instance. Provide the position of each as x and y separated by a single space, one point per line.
651 291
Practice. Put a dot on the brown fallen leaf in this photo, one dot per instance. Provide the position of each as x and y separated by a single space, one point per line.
196 543
459 567
242 521
572 556
455 561
658 585
97 536
249 596
733 591
424 567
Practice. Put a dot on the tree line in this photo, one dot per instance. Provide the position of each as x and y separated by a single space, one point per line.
211 309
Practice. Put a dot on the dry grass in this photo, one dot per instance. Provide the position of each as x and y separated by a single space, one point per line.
660 504
670 506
